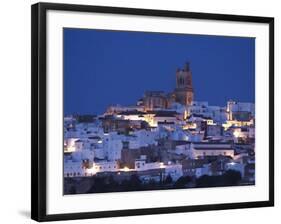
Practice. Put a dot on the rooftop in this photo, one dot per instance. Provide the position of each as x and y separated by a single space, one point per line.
132 112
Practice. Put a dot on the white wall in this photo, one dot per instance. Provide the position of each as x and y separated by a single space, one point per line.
15 107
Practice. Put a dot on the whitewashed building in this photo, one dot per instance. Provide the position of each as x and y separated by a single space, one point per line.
199 150
73 169
102 166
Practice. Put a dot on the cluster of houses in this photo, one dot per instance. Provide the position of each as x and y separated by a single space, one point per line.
164 134
183 140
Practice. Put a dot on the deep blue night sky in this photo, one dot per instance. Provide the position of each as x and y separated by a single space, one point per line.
102 68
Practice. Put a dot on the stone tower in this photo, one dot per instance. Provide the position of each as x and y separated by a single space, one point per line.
184 89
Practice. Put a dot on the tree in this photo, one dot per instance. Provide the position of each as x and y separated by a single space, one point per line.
111 183
168 179
151 184
208 181
98 185
135 181
72 190
182 181
229 178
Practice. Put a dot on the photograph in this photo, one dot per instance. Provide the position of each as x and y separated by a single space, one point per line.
147 111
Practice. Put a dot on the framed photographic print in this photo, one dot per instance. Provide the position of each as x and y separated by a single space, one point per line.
139 111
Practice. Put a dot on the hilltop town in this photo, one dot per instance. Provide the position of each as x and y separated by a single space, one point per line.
164 141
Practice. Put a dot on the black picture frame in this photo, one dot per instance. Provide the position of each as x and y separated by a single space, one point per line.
39 122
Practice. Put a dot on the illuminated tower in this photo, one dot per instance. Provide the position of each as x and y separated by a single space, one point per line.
184 89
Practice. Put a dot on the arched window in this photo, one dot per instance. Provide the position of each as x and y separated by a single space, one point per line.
180 81
188 80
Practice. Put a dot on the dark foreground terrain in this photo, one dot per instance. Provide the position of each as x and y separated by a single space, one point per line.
111 182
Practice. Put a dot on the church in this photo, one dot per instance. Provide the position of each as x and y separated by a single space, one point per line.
183 93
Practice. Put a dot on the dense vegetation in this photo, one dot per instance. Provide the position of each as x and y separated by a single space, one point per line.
101 184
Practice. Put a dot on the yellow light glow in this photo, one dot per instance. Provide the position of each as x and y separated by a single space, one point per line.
185 115
226 125
70 149
236 134
150 120
189 126
126 169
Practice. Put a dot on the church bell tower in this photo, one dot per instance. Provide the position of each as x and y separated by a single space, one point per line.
184 89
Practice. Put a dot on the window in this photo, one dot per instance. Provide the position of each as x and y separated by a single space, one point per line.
182 81
188 81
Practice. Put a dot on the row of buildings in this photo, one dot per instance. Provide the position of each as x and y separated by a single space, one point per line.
164 134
